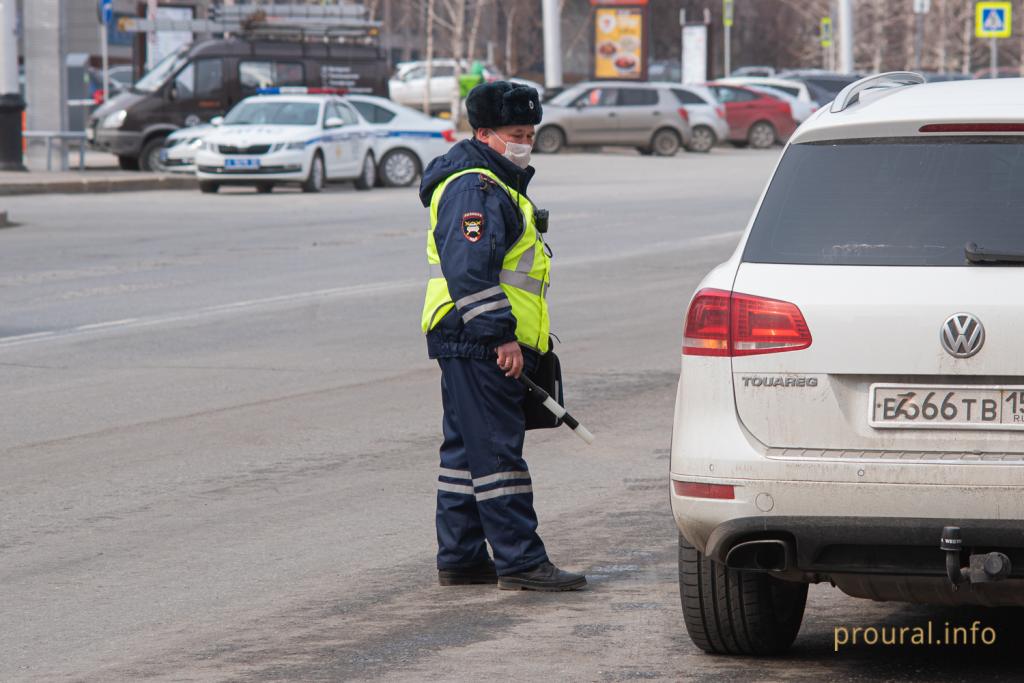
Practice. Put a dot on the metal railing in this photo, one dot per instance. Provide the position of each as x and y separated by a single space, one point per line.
63 136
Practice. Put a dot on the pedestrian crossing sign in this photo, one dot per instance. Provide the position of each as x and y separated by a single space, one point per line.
992 20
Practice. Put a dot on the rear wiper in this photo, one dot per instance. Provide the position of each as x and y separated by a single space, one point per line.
976 254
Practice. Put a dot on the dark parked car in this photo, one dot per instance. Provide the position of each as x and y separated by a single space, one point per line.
206 79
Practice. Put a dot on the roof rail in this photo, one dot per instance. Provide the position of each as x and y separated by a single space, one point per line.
892 79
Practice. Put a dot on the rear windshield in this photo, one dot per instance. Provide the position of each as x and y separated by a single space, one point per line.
906 202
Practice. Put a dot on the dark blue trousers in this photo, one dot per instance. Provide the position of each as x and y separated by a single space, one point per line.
484 487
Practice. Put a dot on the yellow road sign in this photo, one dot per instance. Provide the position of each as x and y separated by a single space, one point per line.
992 20
826 32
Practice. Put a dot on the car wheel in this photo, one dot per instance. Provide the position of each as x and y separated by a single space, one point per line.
315 180
702 140
399 168
368 177
149 157
761 135
207 187
645 151
729 611
665 143
128 163
549 140
265 188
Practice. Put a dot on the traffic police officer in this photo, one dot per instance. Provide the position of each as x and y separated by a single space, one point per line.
486 321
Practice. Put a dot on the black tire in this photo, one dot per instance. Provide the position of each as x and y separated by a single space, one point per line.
550 140
702 140
317 177
149 157
734 612
207 187
128 163
645 151
265 188
398 168
761 135
368 177
666 143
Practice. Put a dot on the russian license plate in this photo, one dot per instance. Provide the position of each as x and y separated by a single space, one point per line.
241 163
925 406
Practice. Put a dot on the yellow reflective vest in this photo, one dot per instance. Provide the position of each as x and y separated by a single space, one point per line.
523 280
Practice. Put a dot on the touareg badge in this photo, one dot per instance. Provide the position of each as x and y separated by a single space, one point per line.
473 225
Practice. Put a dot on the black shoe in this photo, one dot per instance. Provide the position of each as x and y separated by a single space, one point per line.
543 577
467 576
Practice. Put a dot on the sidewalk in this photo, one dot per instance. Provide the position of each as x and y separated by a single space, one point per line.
90 181
101 174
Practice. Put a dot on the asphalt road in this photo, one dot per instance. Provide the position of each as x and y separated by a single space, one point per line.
220 430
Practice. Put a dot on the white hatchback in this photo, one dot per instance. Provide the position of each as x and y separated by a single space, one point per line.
851 402
271 139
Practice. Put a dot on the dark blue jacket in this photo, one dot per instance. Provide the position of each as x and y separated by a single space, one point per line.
471 262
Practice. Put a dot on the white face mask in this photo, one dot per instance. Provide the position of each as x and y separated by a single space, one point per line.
517 153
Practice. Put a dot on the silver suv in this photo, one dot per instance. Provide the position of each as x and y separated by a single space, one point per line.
642 115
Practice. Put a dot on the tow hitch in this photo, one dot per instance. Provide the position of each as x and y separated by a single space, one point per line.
980 568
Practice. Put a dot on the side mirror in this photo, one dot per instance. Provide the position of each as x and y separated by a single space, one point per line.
172 93
333 122
216 120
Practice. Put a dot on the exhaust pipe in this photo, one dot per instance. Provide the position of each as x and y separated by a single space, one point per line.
765 555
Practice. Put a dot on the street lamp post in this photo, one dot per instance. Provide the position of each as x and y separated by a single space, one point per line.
846 36
552 44
11 103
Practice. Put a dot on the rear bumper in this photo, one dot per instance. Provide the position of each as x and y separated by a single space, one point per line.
872 545
857 528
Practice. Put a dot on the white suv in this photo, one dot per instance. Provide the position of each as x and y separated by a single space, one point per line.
851 398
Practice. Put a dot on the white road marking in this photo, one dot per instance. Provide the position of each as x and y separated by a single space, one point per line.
334 293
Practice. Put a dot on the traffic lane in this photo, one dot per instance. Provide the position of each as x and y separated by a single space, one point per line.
243 542
93 259
196 482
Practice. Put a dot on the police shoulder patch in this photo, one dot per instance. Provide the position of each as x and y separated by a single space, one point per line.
473 225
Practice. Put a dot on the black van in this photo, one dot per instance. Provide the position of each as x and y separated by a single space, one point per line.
206 79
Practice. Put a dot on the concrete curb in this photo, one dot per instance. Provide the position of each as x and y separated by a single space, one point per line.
98 185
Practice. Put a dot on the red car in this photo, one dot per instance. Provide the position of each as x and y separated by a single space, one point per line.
754 118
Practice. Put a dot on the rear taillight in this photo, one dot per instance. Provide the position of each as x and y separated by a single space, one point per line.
683 113
448 134
692 489
973 128
721 323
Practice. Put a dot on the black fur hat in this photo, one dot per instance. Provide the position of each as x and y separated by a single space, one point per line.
492 105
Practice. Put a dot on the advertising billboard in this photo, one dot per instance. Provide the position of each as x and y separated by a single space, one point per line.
620 35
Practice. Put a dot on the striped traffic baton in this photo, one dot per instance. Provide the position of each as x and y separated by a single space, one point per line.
556 410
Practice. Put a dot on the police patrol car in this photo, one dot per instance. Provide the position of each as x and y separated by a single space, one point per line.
178 155
405 140
289 135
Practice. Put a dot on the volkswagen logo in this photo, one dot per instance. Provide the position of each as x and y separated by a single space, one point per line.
962 335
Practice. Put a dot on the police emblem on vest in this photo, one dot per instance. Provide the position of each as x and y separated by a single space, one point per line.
473 226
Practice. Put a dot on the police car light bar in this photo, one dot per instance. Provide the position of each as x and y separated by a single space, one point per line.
301 90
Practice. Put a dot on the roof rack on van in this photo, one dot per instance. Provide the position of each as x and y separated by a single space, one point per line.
269 21
892 79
